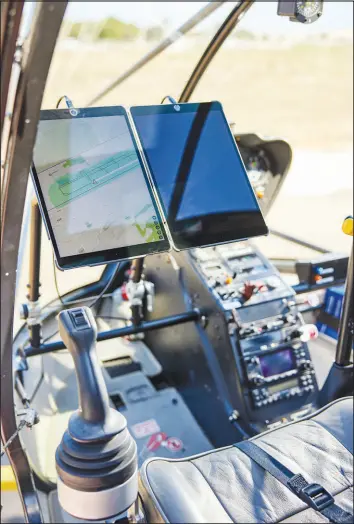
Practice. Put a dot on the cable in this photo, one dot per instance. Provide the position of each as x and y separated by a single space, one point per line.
68 102
50 336
100 296
56 283
171 100
59 101
96 299
77 301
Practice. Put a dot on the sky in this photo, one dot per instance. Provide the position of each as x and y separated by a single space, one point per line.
262 17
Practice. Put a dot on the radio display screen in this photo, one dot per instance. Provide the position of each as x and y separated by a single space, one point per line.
276 363
282 386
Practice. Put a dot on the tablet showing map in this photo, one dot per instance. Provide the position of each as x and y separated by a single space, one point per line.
95 197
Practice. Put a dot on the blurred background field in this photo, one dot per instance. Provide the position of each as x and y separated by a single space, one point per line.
273 77
303 91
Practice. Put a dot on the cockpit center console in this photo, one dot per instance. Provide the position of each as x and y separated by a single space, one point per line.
267 332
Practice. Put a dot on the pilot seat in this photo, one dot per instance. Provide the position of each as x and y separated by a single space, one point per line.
300 472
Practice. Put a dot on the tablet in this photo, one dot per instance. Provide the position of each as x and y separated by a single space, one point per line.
96 200
198 174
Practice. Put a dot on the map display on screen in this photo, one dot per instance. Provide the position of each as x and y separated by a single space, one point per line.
93 185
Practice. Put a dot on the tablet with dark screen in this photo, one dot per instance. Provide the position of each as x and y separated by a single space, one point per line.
95 197
198 174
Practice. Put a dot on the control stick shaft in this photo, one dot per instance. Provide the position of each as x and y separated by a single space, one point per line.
97 458
78 330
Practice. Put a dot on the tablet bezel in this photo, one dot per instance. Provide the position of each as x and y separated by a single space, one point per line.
250 223
105 256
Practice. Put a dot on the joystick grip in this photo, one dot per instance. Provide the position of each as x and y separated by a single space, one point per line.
94 419
96 459
78 331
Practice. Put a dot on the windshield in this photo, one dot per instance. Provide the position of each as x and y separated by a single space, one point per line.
295 81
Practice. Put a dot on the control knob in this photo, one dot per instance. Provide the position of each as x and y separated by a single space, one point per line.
257 380
305 364
252 360
304 333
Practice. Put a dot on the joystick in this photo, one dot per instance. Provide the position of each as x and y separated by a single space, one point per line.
96 460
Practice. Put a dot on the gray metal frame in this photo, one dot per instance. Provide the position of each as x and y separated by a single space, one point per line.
346 323
223 32
11 13
36 59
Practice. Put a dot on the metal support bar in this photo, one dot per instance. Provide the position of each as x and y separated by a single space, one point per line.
167 42
137 269
34 326
137 302
38 48
298 241
35 252
174 320
11 13
346 322
214 46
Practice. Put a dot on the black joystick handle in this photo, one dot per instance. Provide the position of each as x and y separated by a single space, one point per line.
97 451
95 419
78 331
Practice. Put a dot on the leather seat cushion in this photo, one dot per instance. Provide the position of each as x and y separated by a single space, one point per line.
225 485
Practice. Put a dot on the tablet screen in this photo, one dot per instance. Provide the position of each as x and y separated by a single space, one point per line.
97 200
198 173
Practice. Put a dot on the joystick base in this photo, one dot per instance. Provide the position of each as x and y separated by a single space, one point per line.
104 504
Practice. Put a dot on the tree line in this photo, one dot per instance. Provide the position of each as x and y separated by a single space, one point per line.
111 29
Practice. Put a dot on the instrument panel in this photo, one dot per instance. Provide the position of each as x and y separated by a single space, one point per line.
229 268
268 332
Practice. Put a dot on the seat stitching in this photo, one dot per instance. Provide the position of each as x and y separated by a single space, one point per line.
212 490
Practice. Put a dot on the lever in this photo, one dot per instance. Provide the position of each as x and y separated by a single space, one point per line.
78 330
96 460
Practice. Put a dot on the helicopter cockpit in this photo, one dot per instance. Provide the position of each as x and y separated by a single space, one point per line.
196 380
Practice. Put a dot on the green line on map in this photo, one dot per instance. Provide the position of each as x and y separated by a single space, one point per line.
74 161
73 185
